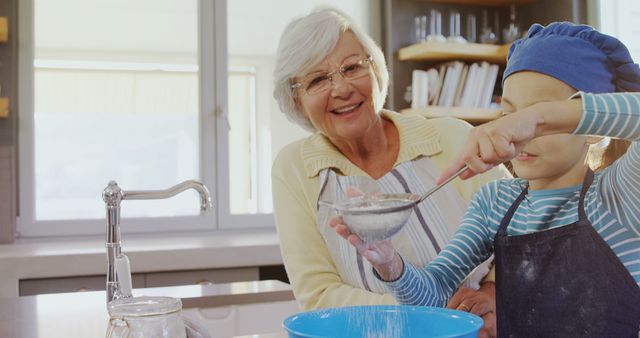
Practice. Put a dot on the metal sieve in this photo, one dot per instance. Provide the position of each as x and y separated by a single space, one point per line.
378 217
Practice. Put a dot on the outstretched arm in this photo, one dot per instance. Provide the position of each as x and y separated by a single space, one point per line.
434 284
312 273
499 141
617 115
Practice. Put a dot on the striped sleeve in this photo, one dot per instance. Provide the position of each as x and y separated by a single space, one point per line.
617 115
472 244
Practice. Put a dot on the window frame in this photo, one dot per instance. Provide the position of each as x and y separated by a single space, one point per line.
604 16
213 129
227 220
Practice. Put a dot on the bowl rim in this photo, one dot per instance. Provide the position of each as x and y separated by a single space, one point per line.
475 321
409 202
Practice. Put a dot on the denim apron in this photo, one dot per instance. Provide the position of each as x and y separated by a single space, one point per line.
562 282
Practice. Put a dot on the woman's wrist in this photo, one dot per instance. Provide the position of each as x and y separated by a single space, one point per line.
391 271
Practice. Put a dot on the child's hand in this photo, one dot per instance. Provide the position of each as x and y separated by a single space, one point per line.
503 139
481 303
381 255
493 143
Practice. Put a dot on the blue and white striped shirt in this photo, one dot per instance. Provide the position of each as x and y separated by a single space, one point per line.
612 205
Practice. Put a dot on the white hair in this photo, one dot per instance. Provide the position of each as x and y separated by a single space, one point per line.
305 42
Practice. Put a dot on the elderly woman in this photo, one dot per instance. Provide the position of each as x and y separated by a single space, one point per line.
331 78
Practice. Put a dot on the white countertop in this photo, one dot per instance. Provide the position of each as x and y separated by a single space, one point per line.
84 256
84 314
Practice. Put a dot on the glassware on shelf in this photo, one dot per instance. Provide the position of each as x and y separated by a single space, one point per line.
420 23
435 27
512 32
408 94
454 28
472 34
496 25
487 35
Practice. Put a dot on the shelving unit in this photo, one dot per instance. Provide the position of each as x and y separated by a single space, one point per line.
445 51
474 116
439 51
403 55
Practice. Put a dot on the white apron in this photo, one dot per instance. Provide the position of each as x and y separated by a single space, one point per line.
429 228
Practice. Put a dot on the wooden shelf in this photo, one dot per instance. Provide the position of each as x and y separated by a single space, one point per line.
495 3
4 29
474 116
437 51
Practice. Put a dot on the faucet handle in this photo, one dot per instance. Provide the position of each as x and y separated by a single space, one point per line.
112 194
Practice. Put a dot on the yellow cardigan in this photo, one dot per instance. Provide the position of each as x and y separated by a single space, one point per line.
311 271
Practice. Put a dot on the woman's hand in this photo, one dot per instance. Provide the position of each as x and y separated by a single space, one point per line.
501 140
481 303
381 255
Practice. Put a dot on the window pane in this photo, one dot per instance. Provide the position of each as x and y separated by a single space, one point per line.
621 18
258 128
116 98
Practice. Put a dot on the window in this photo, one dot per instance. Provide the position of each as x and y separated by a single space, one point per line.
258 129
111 92
149 94
621 18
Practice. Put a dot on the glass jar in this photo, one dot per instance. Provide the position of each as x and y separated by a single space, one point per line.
146 317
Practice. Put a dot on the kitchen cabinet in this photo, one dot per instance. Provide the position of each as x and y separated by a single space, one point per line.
46 264
31 287
139 280
4 107
4 37
4 29
201 277
8 121
243 319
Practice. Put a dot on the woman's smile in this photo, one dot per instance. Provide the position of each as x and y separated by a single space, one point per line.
347 110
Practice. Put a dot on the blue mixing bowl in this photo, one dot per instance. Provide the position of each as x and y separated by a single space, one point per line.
383 321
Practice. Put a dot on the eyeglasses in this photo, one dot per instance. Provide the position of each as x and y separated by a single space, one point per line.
318 83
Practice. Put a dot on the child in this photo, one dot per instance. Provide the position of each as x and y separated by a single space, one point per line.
566 240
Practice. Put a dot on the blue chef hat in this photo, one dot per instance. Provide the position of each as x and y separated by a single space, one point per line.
578 55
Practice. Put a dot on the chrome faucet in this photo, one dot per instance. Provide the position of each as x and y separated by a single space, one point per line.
118 268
